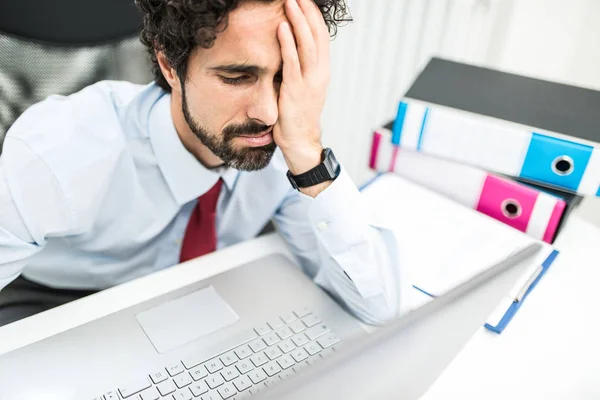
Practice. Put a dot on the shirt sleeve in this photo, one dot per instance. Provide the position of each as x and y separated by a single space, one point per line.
32 208
341 243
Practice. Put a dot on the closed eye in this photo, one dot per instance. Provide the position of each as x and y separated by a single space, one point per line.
234 80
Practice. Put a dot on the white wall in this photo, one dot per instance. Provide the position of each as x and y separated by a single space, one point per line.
551 39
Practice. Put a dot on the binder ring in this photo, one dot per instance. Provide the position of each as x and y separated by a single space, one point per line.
563 165
511 208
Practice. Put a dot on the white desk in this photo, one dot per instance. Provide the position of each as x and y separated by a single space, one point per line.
551 349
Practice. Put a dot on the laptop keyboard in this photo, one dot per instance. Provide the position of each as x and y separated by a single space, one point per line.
259 359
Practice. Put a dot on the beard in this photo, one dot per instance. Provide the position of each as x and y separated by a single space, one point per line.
243 159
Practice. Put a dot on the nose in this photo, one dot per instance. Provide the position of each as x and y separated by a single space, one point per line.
263 107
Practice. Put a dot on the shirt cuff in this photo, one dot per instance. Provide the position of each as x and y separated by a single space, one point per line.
341 220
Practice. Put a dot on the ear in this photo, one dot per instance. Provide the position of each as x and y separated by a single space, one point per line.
168 72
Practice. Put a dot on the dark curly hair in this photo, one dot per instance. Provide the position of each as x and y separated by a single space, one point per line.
176 27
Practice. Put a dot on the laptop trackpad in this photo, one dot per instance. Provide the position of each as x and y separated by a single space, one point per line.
185 319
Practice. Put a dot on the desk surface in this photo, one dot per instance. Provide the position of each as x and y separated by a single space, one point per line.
549 350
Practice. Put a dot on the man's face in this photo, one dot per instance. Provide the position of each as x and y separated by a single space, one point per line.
229 98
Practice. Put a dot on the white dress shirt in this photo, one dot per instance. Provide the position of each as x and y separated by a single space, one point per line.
96 189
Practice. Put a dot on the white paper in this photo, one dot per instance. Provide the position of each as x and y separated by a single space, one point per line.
441 242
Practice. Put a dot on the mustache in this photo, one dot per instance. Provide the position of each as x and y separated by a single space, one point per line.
247 129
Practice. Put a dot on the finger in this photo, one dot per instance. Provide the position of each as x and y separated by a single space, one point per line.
307 49
318 28
289 54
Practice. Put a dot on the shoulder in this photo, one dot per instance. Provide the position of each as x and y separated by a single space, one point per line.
80 141
78 119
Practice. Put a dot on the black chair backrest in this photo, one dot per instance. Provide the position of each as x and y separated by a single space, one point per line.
61 46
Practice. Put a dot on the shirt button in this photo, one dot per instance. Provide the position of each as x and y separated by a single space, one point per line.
322 226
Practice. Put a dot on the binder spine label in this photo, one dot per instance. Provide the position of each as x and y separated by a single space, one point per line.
507 202
555 161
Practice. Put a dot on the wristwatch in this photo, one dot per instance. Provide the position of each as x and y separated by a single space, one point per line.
327 170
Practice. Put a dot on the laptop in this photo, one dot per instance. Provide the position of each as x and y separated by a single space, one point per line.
262 329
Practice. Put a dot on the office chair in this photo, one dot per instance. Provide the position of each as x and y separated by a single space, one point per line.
61 46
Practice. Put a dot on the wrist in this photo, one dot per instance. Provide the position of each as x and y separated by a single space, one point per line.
301 159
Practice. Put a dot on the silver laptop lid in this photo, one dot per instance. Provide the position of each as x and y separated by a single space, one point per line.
384 364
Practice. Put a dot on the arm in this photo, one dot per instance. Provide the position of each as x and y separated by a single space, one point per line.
32 207
345 249
328 227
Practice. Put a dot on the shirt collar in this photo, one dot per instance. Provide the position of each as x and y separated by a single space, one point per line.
187 178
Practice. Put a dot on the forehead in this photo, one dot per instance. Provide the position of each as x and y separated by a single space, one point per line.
250 36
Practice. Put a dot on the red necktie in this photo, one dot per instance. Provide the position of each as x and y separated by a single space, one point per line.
201 233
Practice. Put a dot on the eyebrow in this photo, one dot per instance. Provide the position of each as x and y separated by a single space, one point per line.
242 69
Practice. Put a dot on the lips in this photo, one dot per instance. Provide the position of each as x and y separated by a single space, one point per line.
258 140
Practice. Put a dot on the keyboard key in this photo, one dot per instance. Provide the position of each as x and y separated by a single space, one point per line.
244 366
149 394
199 388
228 358
286 361
227 390
262 330
229 343
312 348
284 332
242 383
166 387
183 395
316 331
211 396
275 323
134 386
273 353
230 373
175 369
286 346
182 380
300 339
299 354
257 376
159 376
289 318
111 396
272 368
214 365
297 326
311 320
243 352
214 381
271 338
302 312
259 359
198 372
257 345
328 340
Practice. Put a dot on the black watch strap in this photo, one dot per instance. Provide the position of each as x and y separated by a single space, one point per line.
327 170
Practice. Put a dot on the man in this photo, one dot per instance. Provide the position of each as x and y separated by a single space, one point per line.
121 180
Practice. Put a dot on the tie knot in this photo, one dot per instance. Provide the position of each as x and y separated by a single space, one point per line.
208 201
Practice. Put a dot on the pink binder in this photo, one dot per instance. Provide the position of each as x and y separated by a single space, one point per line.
524 208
